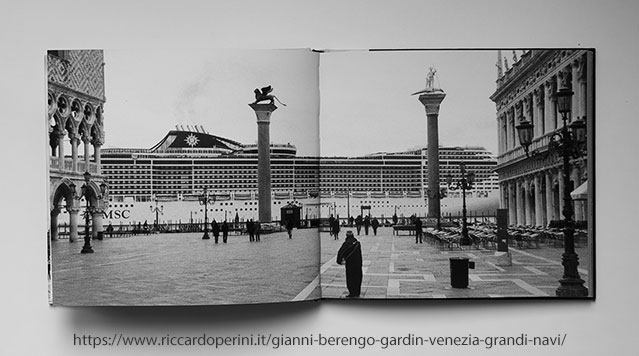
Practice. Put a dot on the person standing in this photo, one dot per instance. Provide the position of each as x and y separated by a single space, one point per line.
375 225
350 254
331 221
335 229
250 229
215 227
367 224
358 224
225 231
256 230
418 230
289 228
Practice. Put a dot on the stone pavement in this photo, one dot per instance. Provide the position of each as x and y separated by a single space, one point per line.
395 267
183 269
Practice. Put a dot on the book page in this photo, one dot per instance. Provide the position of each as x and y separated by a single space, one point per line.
447 170
175 175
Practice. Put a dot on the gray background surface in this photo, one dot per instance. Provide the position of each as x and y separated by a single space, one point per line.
30 327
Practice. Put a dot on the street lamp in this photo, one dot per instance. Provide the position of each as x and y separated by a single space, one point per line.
157 211
466 182
568 143
205 199
85 192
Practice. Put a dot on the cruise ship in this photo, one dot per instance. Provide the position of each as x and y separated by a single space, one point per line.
165 182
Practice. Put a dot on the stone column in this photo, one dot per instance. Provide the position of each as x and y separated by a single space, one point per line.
431 101
96 219
75 141
61 149
54 223
560 178
87 155
540 122
96 156
512 202
580 69
73 223
551 88
550 211
527 202
520 203
577 204
509 128
539 215
502 196
263 113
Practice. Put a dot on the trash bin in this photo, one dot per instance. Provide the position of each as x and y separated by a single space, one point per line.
459 271
100 235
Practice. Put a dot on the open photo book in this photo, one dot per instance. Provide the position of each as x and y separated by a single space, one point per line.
219 176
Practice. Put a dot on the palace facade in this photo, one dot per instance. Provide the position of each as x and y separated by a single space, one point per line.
75 125
532 186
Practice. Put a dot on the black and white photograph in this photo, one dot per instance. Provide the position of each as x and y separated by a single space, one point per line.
187 187
170 185
459 174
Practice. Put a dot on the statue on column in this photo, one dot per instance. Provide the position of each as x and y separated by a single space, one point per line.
265 94
430 78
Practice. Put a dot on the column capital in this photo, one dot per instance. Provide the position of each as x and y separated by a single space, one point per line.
432 101
263 112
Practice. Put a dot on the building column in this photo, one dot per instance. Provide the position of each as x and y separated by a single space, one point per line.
580 67
96 157
551 88
520 203
550 211
540 121
96 218
510 122
87 155
503 204
560 179
75 141
527 201
539 215
61 149
512 203
577 204
73 223
54 223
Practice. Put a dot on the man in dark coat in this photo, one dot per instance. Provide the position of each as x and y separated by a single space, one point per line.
335 229
250 228
375 225
418 230
289 228
215 227
358 224
256 230
225 231
367 224
350 253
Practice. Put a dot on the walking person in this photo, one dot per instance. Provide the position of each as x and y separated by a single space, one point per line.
289 228
331 220
335 229
350 254
225 231
215 227
367 224
375 225
418 231
358 224
256 230
250 228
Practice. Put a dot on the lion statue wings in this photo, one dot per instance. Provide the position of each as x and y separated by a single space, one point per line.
264 94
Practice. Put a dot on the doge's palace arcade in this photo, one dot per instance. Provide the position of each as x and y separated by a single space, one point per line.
75 124
531 188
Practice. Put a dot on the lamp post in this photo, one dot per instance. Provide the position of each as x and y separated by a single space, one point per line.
568 142
205 199
157 211
467 179
87 214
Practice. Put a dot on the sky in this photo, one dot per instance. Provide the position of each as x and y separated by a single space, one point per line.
338 103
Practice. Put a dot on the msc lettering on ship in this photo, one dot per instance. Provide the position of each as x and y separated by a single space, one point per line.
117 214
